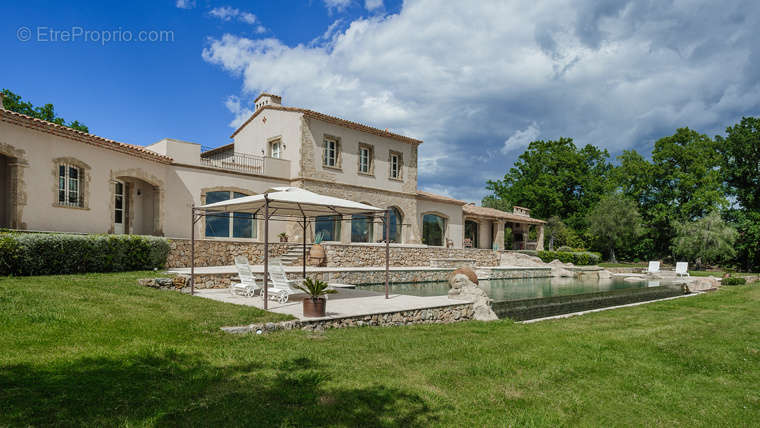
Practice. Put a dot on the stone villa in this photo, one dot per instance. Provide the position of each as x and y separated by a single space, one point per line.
54 178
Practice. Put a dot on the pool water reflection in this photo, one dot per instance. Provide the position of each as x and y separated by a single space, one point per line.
517 289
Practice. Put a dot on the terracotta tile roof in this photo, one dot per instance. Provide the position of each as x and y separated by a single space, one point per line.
64 131
477 211
438 198
330 119
266 94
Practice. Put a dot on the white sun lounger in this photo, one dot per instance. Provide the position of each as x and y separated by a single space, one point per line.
282 287
247 285
654 267
682 269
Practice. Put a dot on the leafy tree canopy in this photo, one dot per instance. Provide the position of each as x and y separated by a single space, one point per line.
614 222
554 177
705 241
741 161
13 102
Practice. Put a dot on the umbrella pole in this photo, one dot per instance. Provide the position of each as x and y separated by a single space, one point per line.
304 248
266 252
192 250
387 250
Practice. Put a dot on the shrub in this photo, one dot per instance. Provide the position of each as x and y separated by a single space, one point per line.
58 253
565 249
732 280
579 258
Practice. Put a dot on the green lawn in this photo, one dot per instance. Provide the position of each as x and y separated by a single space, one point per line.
99 350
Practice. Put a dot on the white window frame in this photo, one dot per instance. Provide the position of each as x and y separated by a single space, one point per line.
330 156
67 181
364 160
275 149
395 166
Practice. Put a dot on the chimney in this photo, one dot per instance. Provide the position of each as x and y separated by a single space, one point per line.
266 99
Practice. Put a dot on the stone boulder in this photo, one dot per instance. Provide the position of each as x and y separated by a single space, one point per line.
511 258
702 283
464 289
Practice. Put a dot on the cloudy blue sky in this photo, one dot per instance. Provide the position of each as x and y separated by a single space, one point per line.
476 81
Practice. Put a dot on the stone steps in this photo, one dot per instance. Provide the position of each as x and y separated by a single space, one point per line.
294 255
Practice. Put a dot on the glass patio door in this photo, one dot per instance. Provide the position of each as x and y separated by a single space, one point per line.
119 208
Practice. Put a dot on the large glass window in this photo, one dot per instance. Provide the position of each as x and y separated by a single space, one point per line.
433 229
69 186
470 234
228 225
329 227
395 225
361 228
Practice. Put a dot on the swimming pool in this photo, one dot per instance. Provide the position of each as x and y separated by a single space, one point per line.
524 299
516 289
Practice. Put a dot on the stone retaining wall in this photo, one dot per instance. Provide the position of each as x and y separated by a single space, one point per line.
364 277
210 252
439 315
374 255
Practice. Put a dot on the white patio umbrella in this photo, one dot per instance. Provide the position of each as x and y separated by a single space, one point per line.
291 202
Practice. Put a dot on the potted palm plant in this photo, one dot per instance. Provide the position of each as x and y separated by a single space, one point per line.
314 305
283 237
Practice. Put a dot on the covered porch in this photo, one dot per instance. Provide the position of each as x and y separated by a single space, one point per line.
499 230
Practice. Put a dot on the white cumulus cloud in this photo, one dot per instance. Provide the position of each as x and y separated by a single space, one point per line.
228 13
185 4
373 4
521 138
463 76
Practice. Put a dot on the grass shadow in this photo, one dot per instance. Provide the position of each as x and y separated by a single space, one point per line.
171 388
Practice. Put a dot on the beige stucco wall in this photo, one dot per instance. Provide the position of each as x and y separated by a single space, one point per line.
188 185
453 214
40 211
270 125
166 192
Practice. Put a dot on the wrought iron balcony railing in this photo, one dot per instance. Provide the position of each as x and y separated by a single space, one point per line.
228 159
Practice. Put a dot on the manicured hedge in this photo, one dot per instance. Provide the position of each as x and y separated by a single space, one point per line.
583 258
23 254
733 280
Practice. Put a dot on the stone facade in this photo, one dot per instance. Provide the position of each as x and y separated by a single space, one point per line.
219 252
210 252
374 255
439 315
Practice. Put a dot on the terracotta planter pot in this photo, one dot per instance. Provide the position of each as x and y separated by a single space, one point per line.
317 255
314 308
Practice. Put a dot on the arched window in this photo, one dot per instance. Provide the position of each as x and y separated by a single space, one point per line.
228 225
471 234
361 228
433 229
395 225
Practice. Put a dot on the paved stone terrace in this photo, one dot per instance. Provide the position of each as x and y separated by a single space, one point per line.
347 303
221 276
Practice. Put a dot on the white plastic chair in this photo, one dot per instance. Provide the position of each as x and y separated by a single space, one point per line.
682 269
654 267
247 285
282 287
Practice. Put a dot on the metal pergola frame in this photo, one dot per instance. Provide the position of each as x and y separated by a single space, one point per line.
197 213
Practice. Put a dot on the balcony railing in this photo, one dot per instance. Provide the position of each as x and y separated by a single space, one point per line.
241 162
